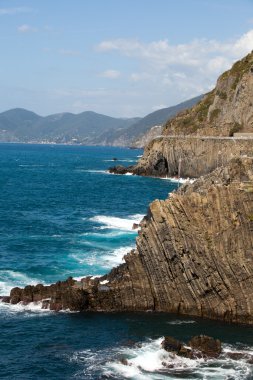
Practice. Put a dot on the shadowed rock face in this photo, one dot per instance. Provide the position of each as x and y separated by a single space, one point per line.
194 256
189 156
201 346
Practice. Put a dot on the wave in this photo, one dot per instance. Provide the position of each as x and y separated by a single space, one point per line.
92 171
32 308
109 260
150 361
178 322
115 257
112 222
31 166
11 279
119 160
178 180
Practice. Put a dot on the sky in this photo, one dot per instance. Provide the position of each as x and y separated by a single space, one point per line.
122 58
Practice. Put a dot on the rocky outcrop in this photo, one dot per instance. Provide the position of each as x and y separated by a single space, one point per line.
120 169
189 156
225 110
193 256
185 141
201 346
145 138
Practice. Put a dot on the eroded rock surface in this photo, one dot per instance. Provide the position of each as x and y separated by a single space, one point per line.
200 346
196 141
189 156
194 256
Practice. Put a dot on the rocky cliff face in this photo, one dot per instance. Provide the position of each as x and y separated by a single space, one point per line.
144 139
189 156
193 256
225 110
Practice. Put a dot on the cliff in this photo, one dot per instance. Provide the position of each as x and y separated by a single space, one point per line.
189 156
193 256
225 110
185 144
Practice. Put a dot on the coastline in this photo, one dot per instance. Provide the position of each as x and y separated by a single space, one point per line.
133 285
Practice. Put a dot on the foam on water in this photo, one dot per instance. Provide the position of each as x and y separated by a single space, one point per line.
10 279
179 180
120 160
92 171
179 322
150 361
112 222
32 308
106 261
115 257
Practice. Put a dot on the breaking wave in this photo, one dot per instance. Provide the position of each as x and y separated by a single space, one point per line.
150 361
112 222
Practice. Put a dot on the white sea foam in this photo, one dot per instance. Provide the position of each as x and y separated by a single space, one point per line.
115 257
179 322
30 308
113 222
10 279
119 160
110 259
104 282
93 171
150 361
31 166
178 180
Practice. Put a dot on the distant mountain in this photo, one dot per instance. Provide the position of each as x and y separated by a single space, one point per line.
139 132
88 128
26 126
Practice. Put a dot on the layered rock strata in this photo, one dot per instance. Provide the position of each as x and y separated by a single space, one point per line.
224 112
194 256
189 156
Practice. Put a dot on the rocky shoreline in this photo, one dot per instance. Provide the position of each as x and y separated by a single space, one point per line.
194 250
193 257
186 156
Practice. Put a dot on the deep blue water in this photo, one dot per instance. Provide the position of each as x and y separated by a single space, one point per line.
62 215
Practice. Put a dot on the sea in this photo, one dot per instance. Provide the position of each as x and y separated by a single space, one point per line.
62 214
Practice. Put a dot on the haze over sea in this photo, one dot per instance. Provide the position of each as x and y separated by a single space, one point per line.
62 214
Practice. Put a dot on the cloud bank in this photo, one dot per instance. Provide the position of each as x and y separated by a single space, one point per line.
187 69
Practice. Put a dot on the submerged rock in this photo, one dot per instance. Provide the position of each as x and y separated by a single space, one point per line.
120 169
201 346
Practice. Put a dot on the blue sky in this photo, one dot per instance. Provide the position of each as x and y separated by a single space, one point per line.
122 58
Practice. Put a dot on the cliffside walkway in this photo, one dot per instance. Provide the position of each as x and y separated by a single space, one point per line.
233 138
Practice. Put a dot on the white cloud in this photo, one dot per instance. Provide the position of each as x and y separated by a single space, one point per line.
179 70
111 74
25 28
15 10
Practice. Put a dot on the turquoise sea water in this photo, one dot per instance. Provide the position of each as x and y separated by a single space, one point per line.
62 214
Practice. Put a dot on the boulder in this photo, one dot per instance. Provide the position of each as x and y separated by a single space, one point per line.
171 344
119 169
135 226
198 347
206 345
